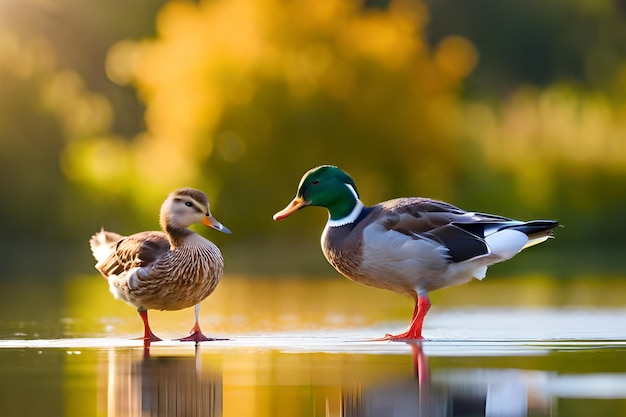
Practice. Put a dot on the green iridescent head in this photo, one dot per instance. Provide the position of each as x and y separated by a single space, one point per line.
324 186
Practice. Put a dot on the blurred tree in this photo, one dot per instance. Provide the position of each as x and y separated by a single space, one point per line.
79 35
516 108
51 63
244 111
545 113
536 42
32 136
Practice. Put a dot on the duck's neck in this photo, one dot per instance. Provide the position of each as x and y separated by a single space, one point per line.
176 235
346 216
345 209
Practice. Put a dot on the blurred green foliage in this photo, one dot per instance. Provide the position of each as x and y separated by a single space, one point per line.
511 108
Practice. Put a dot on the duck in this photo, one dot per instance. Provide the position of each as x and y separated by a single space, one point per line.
171 269
409 245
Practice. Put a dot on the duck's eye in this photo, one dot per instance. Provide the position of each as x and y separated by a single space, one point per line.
188 203
315 182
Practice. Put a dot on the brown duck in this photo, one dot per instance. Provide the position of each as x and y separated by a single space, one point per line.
409 245
168 270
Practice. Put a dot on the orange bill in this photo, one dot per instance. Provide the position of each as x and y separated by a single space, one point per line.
212 222
295 205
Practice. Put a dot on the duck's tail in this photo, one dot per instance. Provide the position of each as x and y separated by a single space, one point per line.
102 244
507 239
538 231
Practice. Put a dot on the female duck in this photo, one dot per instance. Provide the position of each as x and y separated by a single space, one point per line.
409 245
168 270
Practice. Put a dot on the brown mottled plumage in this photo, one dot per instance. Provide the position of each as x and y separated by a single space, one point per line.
168 270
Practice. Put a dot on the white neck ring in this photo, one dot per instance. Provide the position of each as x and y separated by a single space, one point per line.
350 218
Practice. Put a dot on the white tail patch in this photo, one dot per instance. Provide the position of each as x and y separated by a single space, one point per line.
506 243
480 273
101 247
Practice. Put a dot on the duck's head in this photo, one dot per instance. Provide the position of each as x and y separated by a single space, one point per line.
324 186
188 206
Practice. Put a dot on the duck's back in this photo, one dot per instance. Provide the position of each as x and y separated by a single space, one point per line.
128 252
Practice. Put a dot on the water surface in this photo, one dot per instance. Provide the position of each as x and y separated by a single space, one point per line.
518 347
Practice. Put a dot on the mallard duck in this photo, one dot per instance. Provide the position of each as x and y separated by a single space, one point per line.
409 245
168 270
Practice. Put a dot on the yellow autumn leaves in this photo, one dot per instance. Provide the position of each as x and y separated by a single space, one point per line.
213 59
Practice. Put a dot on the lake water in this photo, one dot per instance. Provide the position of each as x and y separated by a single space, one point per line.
530 346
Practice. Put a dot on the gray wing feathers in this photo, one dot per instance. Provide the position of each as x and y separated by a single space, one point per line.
460 232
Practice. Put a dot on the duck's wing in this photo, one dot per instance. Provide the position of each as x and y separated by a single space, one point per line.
138 250
464 235
422 218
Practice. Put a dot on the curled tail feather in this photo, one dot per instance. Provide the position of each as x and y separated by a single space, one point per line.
102 245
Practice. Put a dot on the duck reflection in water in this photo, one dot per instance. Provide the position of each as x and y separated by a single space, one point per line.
161 386
449 393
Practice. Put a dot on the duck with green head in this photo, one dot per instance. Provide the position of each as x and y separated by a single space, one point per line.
409 245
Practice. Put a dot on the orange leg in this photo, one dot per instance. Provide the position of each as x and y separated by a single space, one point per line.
422 305
148 336
195 334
